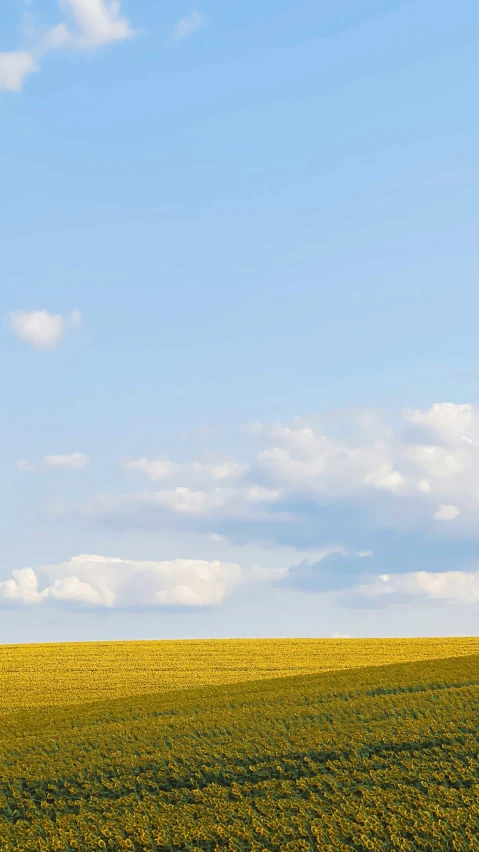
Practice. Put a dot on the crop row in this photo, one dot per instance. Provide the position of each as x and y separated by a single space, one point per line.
382 758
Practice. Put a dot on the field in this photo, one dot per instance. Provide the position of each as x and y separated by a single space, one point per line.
68 673
225 746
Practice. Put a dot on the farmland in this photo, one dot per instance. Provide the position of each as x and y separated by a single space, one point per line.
68 673
375 748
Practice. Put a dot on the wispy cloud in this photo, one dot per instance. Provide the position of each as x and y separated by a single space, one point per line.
154 469
447 513
71 461
162 468
187 25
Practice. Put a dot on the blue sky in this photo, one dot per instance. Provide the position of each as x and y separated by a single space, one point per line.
221 215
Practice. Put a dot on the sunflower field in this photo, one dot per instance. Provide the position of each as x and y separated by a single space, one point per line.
380 755
73 672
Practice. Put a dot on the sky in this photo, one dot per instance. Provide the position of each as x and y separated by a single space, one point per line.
238 303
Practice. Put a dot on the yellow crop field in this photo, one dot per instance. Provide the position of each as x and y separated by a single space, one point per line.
243 746
380 758
69 673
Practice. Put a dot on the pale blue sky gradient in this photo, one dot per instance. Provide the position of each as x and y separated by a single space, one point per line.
273 218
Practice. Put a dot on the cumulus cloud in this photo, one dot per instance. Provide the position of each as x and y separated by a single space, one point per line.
447 420
22 587
99 581
90 24
105 582
303 457
347 477
438 463
15 67
94 23
217 510
459 587
187 25
75 590
42 329
450 586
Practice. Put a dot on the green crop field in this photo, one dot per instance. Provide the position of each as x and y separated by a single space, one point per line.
375 757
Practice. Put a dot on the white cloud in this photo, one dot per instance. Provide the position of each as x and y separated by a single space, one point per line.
435 465
74 589
94 580
73 461
303 457
95 23
458 587
262 574
447 513
57 37
470 441
15 67
454 586
447 419
395 475
340 636
154 469
437 462
385 477
22 587
258 494
225 470
42 329
184 505
92 23
185 500
187 25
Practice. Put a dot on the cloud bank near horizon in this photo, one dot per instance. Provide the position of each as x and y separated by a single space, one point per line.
392 503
